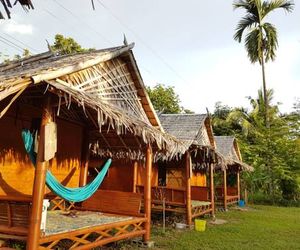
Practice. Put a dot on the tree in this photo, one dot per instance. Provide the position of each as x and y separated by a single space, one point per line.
66 45
273 151
164 99
6 58
261 38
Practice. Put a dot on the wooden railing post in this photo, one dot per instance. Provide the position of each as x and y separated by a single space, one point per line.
225 188
84 159
147 193
238 184
135 169
39 183
188 189
212 189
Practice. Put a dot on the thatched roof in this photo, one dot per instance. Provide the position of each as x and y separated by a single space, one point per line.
194 128
107 87
196 132
228 146
26 4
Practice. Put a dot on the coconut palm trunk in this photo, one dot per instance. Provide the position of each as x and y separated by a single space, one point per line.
267 120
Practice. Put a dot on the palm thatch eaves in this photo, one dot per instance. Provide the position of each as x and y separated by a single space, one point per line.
195 131
228 146
105 84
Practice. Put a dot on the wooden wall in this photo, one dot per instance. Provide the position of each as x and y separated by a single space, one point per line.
16 170
141 175
198 179
119 176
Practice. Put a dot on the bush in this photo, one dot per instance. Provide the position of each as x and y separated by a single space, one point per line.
260 198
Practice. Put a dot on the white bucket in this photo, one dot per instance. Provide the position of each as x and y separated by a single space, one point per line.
46 204
180 225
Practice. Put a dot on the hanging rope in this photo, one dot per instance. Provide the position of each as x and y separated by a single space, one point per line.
70 194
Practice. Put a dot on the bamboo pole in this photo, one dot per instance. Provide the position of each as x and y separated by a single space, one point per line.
212 189
135 169
238 185
84 159
225 188
188 189
39 183
147 193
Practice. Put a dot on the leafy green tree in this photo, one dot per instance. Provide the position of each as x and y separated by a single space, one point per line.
66 45
273 151
219 119
164 99
261 39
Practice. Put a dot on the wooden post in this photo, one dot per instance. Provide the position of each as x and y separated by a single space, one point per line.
84 159
212 189
135 169
188 189
39 183
147 193
225 188
238 184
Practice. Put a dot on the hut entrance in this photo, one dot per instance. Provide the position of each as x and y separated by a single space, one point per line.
162 174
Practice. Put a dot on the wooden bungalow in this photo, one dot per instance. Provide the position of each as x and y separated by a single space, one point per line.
229 193
80 106
185 185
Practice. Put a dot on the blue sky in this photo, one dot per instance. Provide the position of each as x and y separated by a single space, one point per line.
185 44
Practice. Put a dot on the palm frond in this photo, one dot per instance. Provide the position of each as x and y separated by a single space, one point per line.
250 6
245 23
253 45
270 41
269 6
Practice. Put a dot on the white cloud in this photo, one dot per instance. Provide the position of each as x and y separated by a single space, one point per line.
15 27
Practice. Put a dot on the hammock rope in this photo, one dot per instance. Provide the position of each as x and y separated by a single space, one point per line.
70 194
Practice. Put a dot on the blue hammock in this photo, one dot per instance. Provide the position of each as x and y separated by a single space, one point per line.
71 194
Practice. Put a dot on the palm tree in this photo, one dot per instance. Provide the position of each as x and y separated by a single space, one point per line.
261 38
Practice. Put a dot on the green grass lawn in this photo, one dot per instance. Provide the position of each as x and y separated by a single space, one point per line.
261 227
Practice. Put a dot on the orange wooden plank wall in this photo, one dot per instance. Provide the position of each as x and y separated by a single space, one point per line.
141 175
16 170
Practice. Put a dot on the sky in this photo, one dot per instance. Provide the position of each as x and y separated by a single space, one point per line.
186 44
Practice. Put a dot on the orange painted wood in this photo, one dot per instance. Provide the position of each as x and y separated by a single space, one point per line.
84 160
39 181
170 194
14 214
13 230
238 185
188 188
105 229
117 202
212 189
119 170
141 175
200 193
16 198
198 179
135 173
225 188
112 239
15 163
147 193
232 191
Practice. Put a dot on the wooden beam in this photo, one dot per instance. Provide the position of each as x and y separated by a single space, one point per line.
135 169
147 193
188 189
85 156
39 182
79 66
225 188
238 184
212 189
